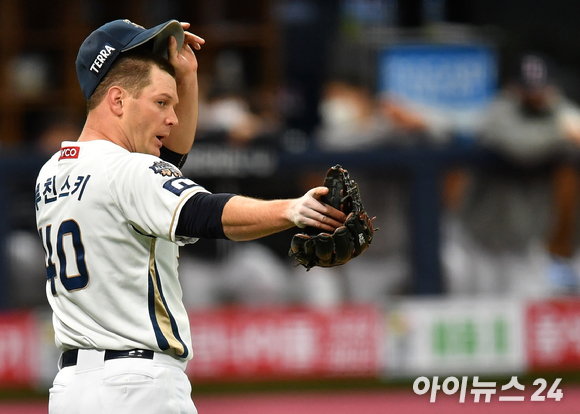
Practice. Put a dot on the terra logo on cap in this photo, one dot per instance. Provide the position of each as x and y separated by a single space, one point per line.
104 45
102 58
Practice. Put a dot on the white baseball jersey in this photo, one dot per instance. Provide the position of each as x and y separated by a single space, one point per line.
107 220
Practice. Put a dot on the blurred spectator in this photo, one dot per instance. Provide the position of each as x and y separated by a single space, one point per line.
350 118
417 122
233 117
231 110
230 115
510 214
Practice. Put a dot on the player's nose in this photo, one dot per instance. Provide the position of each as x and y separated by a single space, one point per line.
172 119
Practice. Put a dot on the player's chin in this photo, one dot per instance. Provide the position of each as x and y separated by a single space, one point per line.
156 148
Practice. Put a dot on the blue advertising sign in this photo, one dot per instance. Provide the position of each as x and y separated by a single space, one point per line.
450 76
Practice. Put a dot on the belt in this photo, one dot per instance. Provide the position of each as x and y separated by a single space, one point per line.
69 358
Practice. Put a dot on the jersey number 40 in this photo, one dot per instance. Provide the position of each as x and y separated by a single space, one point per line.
68 239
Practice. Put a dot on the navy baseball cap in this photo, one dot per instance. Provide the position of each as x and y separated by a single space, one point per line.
104 45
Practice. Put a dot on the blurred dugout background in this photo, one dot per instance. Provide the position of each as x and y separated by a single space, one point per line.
465 149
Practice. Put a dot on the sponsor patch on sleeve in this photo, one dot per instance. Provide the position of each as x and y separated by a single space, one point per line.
166 169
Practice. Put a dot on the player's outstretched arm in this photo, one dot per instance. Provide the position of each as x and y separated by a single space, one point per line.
182 135
245 218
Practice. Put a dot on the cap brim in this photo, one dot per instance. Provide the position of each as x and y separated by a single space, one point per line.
160 35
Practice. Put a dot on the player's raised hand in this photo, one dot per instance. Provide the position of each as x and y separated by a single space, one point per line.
184 61
192 39
308 210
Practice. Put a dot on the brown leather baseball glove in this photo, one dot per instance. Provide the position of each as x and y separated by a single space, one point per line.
313 248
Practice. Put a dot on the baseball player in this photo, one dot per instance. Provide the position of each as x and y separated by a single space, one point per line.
112 210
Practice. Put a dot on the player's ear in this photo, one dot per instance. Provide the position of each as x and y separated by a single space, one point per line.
115 97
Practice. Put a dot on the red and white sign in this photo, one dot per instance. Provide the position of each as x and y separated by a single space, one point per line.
553 334
17 349
281 342
69 152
